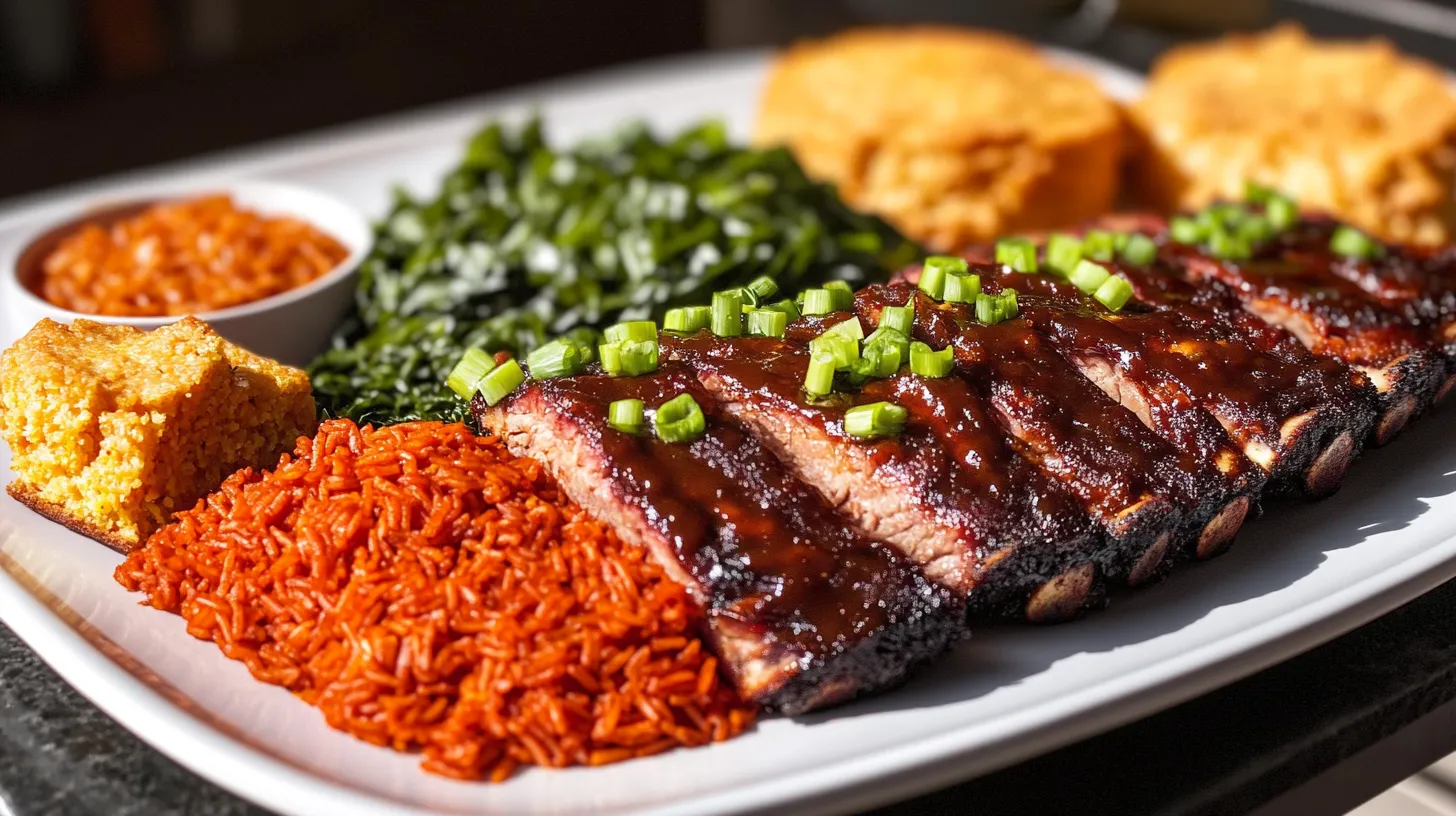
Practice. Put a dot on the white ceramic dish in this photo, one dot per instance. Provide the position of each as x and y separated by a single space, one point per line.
292 326
1299 576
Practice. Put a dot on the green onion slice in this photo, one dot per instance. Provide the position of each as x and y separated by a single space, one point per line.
819 379
688 318
899 318
961 288
847 328
726 319
680 420
1353 243
465 377
937 268
767 323
501 381
988 309
1063 252
630 331
1256 229
1087 276
1282 213
1186 230
1009 306
629 358
626 415
562 357
928 362
1139 250
1017 253
1229 246
762 287
843 350
1099 245
841 295
1113 293
787 307
875 420
818 302
1256 193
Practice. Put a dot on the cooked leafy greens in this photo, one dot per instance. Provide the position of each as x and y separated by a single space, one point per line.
525 242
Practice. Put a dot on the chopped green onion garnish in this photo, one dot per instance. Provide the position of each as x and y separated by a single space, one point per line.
1256 229
628 358
1113 293
1099 245
1017 253
680 420
787 307
727 313
874 420
763 287
881 356
1063 252
1087 276
843 350
626 415
688 318
1282 213
1256 193
1353 243
1229 246
988 309
928 362
899 318
1185 230
562 357
819 379
1139 250
501 381
467 374
841 295
961 288
818 302
1224 215
632 330
767 323
848 328
937 268
1009 307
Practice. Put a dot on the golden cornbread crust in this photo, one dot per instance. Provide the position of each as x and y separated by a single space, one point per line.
1352 128
953 136
112 429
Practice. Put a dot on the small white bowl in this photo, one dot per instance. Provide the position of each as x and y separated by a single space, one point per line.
291 327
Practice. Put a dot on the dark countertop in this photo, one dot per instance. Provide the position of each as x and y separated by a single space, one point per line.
1226 752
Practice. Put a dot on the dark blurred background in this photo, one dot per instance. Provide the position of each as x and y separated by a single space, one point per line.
94 86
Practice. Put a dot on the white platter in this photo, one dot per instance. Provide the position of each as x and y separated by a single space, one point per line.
1298 577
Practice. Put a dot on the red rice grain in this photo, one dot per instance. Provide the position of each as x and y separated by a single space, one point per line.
429 591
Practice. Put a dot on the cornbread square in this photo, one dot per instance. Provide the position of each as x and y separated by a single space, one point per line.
112 429
953 136
1351 128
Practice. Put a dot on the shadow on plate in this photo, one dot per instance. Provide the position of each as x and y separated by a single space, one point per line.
1386 490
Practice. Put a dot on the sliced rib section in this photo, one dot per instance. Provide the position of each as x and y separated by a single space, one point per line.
1076 434
951 493
1298 290
803 609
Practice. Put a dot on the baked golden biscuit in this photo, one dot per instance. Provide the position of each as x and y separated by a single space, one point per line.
1353 128
112 429
953 136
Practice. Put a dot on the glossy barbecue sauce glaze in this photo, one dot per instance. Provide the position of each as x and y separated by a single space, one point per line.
1292 283
1417 282
1094 446
951 456
771 557
1183 354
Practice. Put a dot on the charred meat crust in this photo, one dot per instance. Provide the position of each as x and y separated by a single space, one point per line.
803 610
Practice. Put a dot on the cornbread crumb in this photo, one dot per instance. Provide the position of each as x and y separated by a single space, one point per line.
953 136
1352 128
112 429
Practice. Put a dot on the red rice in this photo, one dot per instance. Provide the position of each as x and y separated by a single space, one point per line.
429 591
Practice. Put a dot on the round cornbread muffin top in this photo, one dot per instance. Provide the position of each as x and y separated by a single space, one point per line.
1351 127
952 135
